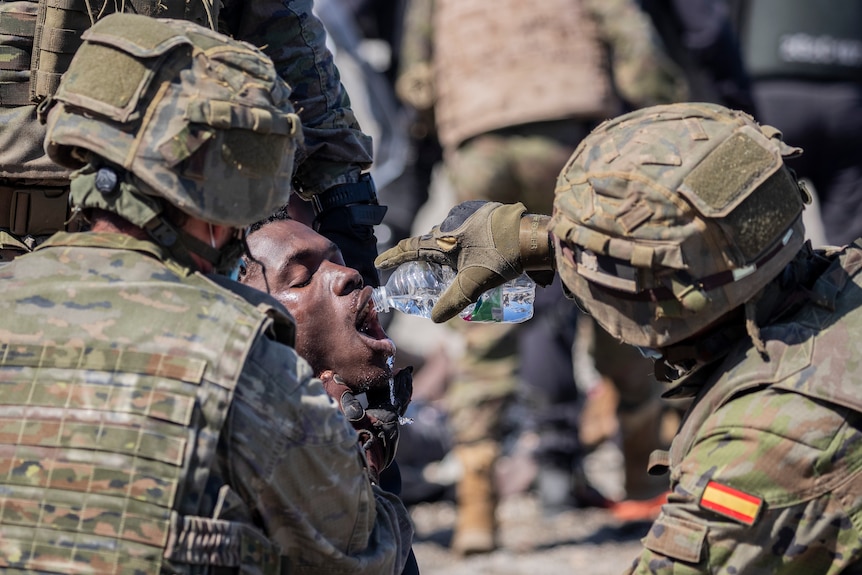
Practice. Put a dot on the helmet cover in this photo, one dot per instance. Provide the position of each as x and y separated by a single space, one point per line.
197 118
669 217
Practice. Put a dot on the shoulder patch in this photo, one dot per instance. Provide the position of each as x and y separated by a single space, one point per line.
731 503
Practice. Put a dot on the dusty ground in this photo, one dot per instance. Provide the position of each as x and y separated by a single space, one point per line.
582 541
588 541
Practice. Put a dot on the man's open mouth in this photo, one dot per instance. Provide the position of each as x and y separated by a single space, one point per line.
367 322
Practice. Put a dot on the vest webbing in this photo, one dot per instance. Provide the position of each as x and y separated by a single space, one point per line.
17 30
39 39
487 81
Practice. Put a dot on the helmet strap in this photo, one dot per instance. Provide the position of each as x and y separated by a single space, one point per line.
753 329
104 186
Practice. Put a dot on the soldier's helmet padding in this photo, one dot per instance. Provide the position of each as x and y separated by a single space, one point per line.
669 217
198 119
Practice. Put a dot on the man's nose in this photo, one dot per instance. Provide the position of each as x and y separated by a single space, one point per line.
347 281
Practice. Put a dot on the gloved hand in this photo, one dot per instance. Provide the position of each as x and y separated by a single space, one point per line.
487 243
376 425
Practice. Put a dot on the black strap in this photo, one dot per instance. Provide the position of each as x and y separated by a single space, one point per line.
361 192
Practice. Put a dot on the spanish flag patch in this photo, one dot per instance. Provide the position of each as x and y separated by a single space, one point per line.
731 503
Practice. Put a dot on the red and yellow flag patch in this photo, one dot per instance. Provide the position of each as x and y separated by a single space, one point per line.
731 503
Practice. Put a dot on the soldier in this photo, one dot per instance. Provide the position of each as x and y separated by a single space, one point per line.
37 41
157 420
678 228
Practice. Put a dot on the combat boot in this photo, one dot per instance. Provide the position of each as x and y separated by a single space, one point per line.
476 498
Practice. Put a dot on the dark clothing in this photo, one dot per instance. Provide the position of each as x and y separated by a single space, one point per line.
807 77
700 37
551 399
825 120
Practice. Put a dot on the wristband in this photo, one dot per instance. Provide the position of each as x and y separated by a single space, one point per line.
536 248
360 197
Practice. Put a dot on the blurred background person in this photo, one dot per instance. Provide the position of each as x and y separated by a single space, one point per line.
701 37
510 88
805 60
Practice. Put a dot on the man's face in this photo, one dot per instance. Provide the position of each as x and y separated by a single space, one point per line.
336 325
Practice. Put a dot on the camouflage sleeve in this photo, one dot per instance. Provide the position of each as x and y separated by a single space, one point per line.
295 459
772 485
643 73
336 150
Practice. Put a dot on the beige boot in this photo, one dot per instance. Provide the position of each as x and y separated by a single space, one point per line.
476 527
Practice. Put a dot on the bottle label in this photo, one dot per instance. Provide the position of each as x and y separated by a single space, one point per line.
488 308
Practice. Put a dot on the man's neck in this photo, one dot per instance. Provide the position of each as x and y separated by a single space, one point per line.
118 225
199 229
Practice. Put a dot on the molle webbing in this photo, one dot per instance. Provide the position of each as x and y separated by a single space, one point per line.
60 24
94 445
17 29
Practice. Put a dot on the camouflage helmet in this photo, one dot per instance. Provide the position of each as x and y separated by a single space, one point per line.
194 117
669 217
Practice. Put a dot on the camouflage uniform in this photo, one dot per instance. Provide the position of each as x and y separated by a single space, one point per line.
125 445
680 230
506 143
766 468
334 152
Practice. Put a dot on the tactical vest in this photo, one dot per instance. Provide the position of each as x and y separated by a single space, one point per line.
111 412
803 39
510 62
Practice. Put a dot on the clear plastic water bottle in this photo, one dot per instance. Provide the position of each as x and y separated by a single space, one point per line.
414 288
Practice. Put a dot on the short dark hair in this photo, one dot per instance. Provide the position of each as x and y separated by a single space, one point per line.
279 215
248 261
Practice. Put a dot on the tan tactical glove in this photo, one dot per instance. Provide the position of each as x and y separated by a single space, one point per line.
487 243
377 424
